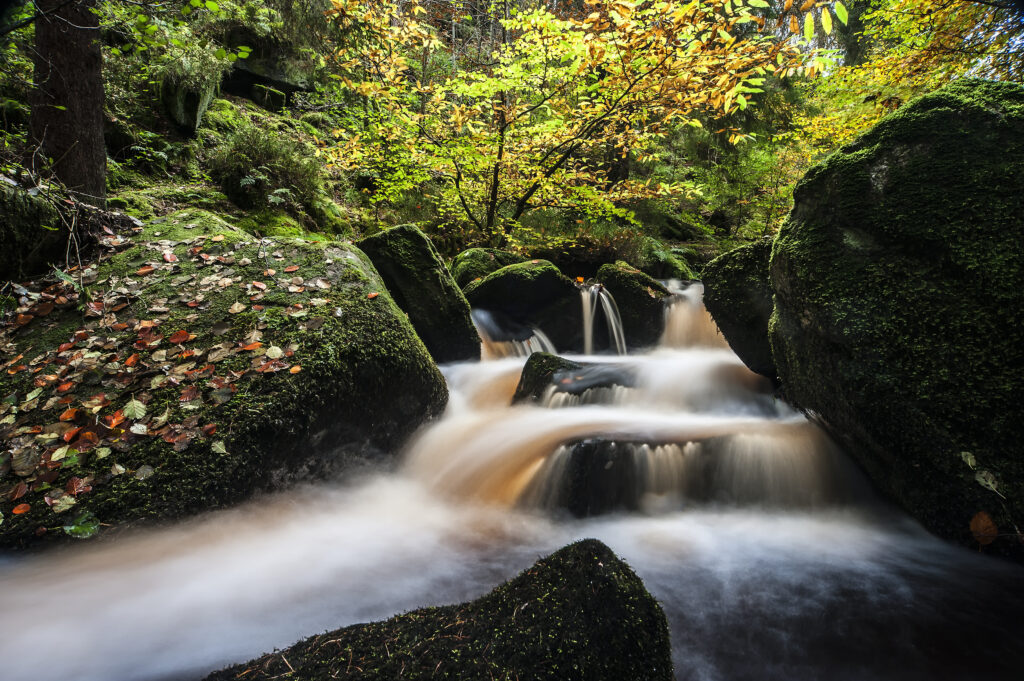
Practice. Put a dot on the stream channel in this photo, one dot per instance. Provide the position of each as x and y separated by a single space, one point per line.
767 549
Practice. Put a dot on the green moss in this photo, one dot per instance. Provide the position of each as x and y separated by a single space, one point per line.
421 285
580 614
272 223
34 237
899 303
224 116
477 263
365 379
738 294
640 300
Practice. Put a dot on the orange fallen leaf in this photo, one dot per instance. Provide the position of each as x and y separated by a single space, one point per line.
64 387
170 257
132 361
984 528
23 319
70 435
291 268
259 285
209 429
144 270
252 346
269 272
69 415
579 280
179 337
371 296
295 369
219 237
21 508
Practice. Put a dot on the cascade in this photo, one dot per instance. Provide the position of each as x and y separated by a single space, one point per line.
772 559
592 296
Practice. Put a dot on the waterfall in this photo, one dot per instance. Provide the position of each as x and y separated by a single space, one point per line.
592 296
687 322
497 342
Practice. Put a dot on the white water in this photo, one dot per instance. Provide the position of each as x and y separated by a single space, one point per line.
590 298
755 586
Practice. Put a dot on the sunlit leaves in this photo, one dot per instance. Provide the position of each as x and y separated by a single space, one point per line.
134 409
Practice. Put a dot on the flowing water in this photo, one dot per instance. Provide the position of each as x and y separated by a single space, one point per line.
768 552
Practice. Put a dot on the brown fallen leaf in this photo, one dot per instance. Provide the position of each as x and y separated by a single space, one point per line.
291 268
984 528
145 270
179 337
236 308
170 257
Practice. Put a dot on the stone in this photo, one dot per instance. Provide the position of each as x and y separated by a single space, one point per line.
641 303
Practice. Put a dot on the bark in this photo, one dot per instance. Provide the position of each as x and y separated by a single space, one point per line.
67 103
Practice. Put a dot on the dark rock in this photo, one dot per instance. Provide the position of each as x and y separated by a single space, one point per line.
535 293
362 378
581 614
543 370
899 305
477 263
34 237
738 295
641 303
421 285
538 374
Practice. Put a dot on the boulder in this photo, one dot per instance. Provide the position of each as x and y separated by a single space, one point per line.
185 102
538 374
899 306
536 293
738 295
641 302
477 263
581 614
33 235
198 371
421 285
543 370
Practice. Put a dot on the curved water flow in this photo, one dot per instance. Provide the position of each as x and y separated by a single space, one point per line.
769 556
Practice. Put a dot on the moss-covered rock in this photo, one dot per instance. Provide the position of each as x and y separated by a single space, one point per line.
738 295
581 614
899 305
533 293
224 116
421 285
186 104
538 374
194 365
477 263
641 302
34 237
655 259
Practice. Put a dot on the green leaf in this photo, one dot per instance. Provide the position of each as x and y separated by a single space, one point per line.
101 452
134 409
987 480
758 3
221 53
841 12
212 6
969 459
808 26
219 447
826 20
84 525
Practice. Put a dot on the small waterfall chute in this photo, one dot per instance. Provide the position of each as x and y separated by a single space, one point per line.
687 322
502 338
593 297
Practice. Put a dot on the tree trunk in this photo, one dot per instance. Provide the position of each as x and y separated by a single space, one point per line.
67 103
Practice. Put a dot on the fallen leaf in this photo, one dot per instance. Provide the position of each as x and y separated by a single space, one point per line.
188 394
371 296
134 409
274 352
170 257
144 472
252 346
259 285
69 415
219 447
19 491
295 369
179 337
219 237
209 429
984 528
21 508
145 270
236 308
291 268
132 361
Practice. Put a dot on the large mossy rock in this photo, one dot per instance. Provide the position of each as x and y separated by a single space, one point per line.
899 305
535 293
477 263
34 237
581 614
186 103
421 285
641 302
207 365
738 294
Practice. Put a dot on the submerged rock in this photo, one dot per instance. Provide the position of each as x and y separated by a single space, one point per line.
544 370
477 263
421 285
738 295
208 365
535 293
581 614
899 305
641 303
538 374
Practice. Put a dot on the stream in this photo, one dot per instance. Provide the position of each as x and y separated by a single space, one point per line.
767 549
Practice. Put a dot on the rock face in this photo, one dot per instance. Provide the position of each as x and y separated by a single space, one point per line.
641 302
200 373
899 305
186 104
738 295
580 614
534 293
33 236
421 285
477 263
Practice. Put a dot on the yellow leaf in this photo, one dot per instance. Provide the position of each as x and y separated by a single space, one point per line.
794 25
787 6
826 20
806 7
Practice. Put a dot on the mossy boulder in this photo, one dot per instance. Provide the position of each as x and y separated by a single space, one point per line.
899 305
34 237
477 263
186 103
641 302
224 116
538 373
193 365
581 614
421 285
738 295
535 293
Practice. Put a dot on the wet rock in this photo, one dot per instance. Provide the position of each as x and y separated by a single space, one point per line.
543 370
899 305
641 303
421 285
738 295
204 366
581 614
534 293
477 263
